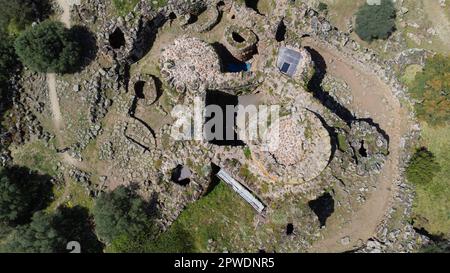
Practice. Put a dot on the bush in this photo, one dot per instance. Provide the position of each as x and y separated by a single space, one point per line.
120 214
431 88
375 21
422 167
49 47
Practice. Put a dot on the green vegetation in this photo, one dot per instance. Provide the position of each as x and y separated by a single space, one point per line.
121 214
322 6
8 61
342 142
422 168
123 7
22 192
431 88
375 21
212 217
7 57
432 202
16 15
50 233
37 156
247 153
48 47
409 74
37 237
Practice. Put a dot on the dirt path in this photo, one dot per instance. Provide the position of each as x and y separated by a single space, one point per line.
58 123
374 99
54 102
65 6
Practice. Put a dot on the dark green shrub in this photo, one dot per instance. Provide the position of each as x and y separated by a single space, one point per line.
422 167
375 21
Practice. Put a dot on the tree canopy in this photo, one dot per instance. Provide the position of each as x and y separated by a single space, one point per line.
22 192
51 232
120 214
431 88
37 237
375 21
48 47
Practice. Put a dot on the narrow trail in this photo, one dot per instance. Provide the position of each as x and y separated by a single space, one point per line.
374 97
58 123
65 5
54 102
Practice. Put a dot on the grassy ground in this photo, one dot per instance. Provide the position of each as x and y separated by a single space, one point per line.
123 7
432 204
212 217
37 156
71 194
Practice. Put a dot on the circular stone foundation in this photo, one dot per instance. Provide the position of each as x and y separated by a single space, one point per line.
297 148
189 63
241 42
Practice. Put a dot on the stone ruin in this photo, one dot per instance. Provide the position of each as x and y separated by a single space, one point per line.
295 149
145 89
194 65
241 42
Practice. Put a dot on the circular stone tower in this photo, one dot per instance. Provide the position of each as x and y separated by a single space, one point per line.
241 42
295 149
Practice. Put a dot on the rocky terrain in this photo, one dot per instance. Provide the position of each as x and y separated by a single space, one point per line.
337 155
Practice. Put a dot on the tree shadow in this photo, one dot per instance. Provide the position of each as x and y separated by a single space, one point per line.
88 45
75 224
323 207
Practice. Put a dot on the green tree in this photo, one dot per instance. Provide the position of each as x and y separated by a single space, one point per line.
21 194
37 237
50 233
431 87
7 58
121 214
49 47
375 21
422 167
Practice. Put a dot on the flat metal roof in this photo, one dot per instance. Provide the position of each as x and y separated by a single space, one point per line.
288 60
